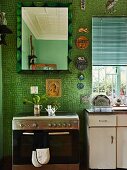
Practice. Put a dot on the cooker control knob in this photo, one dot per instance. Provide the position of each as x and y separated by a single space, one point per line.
64 124
54 125
49 125
21 125
59 124
69 125
34 125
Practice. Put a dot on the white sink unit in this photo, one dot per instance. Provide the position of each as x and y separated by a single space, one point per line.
107 140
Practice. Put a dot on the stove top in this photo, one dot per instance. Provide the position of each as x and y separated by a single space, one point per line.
58 115
62 120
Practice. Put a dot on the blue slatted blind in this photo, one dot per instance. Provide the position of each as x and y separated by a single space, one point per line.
109 40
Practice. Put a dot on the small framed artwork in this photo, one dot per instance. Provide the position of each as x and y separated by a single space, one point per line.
82 42
53 87
81 63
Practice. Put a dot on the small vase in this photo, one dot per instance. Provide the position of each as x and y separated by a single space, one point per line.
37 109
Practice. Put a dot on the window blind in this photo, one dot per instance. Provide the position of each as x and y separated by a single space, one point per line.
109 40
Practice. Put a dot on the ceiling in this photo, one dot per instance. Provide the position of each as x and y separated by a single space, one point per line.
49 23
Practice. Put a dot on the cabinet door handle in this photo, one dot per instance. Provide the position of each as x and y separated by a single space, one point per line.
102 120
112 139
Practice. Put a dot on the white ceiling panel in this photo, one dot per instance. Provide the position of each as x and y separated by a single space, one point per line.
48 23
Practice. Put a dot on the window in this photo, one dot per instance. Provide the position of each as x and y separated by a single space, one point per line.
111 81
109 57
109 41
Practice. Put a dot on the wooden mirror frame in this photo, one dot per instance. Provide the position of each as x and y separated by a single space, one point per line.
19 31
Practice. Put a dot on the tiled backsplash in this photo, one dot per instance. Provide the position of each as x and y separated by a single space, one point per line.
17 86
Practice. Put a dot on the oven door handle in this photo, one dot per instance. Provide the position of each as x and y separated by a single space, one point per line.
59 133
28 133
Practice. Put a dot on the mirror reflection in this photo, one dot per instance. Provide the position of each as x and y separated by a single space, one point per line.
44 38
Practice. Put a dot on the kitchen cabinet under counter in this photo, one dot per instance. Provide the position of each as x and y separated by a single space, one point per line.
107 138
121 140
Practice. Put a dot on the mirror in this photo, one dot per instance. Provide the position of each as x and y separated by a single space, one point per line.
44 42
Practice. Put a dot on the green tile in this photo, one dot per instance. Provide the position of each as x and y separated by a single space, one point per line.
16 86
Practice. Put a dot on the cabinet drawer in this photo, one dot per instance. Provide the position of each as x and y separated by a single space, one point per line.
122 120
102 120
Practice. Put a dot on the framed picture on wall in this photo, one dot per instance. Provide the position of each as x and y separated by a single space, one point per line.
53 87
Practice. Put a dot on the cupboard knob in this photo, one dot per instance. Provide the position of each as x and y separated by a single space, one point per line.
34 125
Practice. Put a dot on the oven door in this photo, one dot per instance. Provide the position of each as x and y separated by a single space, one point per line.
63 146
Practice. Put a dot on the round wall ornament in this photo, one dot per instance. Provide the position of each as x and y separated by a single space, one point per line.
82 42
81 63
80 86
81 76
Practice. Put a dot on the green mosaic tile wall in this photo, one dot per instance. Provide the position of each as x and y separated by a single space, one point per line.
17 86
1 115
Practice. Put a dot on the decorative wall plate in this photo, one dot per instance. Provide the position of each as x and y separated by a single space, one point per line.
80 86
84 30
81 63
84 98
82 42
83 5
110 5
81 76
